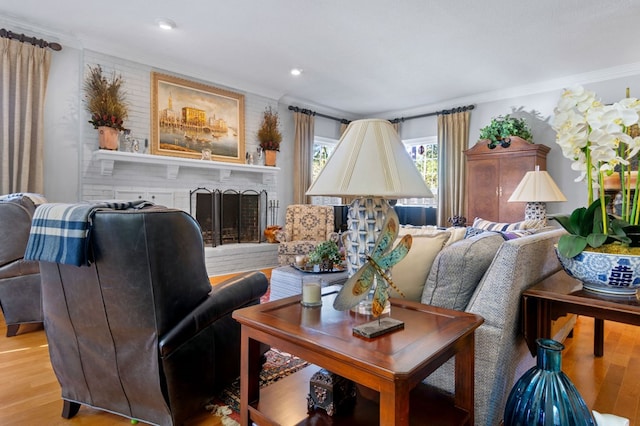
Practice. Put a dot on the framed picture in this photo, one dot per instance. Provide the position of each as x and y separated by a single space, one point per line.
193 120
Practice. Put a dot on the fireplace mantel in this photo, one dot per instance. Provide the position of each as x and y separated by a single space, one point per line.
107 160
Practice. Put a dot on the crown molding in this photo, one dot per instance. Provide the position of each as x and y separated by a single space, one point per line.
527 89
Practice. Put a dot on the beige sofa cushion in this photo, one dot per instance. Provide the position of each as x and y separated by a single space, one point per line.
410 274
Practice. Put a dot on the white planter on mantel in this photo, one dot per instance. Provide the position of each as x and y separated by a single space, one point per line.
107 159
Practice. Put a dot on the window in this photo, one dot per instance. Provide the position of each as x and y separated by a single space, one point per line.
322 149
424 152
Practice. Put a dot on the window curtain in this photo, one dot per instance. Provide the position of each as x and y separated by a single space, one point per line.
24 70
302 156
453 139
343 127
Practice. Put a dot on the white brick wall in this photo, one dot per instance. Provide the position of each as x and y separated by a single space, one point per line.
145 179
231 258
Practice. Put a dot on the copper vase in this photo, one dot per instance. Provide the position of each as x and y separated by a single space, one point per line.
108 138
270 157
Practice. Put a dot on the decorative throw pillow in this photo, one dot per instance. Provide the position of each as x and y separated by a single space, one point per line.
487 225
457 233
471 232
410 274
457 270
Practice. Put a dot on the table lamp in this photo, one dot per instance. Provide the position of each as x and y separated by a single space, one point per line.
371 163
536 189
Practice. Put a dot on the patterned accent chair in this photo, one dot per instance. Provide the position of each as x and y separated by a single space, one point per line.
305 226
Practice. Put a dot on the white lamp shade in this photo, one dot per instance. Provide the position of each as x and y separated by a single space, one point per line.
537 186
370 160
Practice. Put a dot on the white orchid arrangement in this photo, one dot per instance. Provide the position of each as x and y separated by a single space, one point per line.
600 141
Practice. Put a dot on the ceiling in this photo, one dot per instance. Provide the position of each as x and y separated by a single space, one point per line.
361 57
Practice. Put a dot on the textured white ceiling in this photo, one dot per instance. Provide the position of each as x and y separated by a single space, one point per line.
363 57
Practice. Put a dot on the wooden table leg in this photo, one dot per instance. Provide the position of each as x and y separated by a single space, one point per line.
465 373
249 374
394 405
598 337
544 318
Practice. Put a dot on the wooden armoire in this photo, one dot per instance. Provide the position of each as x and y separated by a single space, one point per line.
493 174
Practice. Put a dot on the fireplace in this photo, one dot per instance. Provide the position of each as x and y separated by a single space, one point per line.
230 216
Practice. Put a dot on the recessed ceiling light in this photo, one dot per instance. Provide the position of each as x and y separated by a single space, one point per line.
165 24
296 71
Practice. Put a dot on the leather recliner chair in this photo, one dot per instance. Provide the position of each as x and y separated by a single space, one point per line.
19 278
140 332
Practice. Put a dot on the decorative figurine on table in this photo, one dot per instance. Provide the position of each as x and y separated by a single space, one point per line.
381 259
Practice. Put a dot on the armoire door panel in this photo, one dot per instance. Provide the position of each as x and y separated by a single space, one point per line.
483 200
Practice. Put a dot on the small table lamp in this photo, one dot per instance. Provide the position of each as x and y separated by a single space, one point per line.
536 189
371 163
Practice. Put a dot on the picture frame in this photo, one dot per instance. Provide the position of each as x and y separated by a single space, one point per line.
195 120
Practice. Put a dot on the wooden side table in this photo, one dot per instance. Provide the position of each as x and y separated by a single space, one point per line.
561 294
393 365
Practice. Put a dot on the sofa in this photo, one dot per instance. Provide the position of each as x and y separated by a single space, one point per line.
485 274
19 278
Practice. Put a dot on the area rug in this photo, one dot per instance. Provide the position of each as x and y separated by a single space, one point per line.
278 365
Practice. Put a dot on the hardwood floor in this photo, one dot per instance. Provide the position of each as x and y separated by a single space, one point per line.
30 394
610 384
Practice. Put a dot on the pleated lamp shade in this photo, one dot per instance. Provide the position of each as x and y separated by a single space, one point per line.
537 186
536 189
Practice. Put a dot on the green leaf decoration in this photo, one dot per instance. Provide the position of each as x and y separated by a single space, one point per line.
571 245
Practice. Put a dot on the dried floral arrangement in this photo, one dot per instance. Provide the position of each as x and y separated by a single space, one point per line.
269 134
105 99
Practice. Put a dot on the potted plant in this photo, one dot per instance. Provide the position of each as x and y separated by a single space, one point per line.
502 128
269 136
600 140
326 254
106 102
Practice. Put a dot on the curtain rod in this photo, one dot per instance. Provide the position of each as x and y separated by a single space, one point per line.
395 120
309 112
441 112
26 39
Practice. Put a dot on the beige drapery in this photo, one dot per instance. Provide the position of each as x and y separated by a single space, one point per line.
343 127
24 72
302 156
453 139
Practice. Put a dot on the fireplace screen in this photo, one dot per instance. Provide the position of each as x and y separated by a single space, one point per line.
229 217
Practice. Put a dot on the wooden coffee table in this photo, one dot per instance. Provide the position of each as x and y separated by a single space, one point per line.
391 367
561 294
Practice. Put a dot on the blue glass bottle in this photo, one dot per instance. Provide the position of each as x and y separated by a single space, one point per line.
544 395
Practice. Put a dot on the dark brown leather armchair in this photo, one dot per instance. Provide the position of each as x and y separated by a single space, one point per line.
19 278
140 332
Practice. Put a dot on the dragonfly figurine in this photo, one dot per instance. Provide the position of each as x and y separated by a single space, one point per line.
378 261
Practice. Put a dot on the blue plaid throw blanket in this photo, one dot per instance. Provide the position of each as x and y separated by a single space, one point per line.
60 232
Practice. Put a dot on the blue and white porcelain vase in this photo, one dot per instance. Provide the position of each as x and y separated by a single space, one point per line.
544 395
610 273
